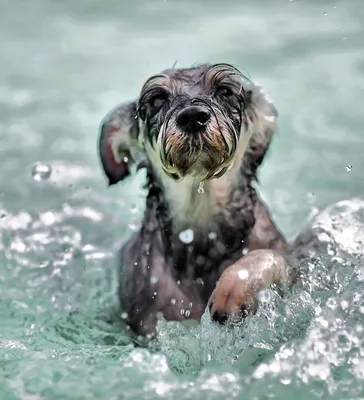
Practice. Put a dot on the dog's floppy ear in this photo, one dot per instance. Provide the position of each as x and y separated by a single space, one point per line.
118 140
263 118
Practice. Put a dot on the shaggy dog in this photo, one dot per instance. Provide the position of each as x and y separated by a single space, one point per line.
206 239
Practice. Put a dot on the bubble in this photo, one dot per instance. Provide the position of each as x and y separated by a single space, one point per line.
200 189
187 313
124 315
348 168
153 280
186 236
325 13
173 301
243 274
182 311
41 172
190 305
212 235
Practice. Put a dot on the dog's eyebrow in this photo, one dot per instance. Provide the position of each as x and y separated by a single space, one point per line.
159 79
217 73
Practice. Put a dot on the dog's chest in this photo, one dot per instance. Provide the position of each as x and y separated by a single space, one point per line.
196 206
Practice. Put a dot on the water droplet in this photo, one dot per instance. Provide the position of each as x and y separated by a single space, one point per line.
334 6
344 305
348 168
136 263
126 159
133 226
325 13
41 172
186 236
243 274
200 189
173 301
212 235
187 313
190 305
331 303
286 381
182 311
134 208
199 281
200 260
178 283
153 280
124 315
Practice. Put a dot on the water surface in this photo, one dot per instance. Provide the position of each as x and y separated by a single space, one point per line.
64 64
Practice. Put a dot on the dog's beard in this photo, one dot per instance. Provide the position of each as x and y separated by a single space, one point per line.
205 155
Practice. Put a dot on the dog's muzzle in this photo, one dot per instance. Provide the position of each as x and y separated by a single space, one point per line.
192 142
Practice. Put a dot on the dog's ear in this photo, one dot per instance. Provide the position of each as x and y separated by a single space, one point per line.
263 117
118 141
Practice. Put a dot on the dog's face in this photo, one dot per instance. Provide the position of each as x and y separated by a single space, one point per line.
191 119
195 122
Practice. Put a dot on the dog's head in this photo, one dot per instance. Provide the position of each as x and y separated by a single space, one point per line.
191 122
192 118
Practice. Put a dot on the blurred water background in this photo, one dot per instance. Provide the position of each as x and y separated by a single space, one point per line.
64 64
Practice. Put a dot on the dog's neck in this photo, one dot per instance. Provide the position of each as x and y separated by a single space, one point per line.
201 206
219 205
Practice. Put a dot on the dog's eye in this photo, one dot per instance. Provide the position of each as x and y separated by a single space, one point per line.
157 101
224 91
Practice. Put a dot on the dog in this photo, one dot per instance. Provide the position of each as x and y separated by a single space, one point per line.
206 239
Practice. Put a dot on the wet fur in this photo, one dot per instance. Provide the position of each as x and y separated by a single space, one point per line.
160 275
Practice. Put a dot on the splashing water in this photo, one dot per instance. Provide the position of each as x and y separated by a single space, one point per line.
62 334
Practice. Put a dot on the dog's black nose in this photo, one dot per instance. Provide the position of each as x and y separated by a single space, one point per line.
193 119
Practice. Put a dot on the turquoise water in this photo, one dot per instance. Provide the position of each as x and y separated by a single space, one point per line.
64 64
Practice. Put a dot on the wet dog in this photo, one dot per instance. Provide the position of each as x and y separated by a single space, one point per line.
206 239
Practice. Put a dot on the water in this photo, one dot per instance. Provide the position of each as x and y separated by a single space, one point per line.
64 65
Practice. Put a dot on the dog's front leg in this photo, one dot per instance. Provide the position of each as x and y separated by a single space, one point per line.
236 293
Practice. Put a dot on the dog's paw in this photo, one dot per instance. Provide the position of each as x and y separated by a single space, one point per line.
234 296
236 292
